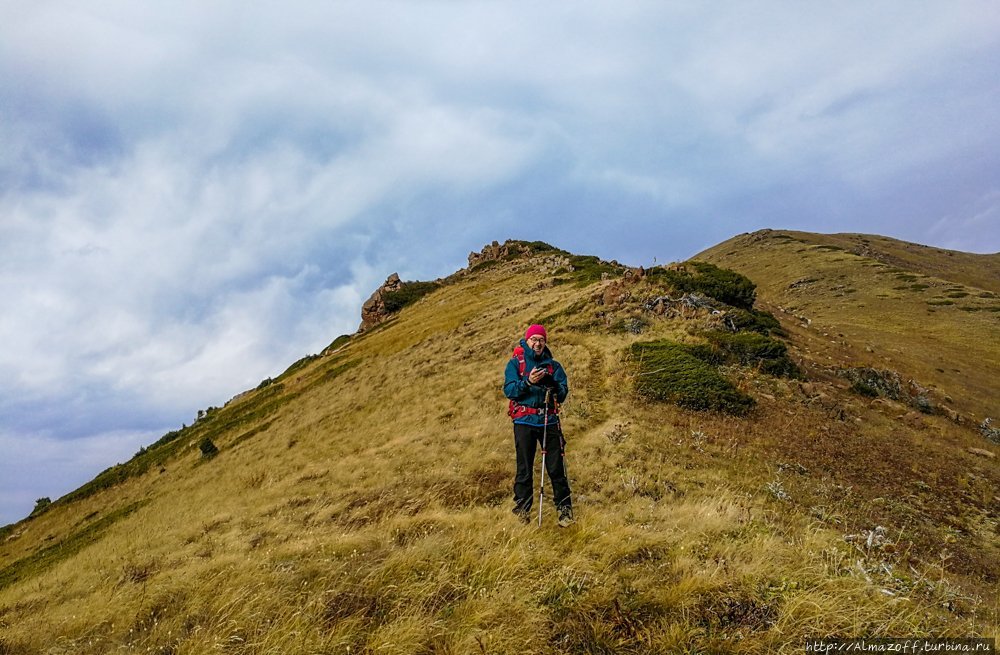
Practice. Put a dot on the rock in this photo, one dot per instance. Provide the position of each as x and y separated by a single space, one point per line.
952 415
983 453
373 311
615 294
496 251
990 433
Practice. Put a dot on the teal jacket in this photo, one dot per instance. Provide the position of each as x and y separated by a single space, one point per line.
517 388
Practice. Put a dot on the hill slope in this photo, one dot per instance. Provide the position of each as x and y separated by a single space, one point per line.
359 502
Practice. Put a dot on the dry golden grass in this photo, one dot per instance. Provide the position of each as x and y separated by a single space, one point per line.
371 514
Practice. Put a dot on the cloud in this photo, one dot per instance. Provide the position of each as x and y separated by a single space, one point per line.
193 195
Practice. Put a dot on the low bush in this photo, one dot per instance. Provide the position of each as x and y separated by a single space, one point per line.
722 284
588 269
484 265
208 448
749 349
874 382
41 505
669 372
407 294
755 320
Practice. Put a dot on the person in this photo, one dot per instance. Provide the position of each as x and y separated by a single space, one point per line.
531 376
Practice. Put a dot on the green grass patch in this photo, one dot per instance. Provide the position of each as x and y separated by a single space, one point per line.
299 365
919 287
407 294
957 294
340 341
49 556
938 303
701 277
668 372
906 277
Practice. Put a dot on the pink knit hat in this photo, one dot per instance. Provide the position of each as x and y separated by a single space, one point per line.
535 329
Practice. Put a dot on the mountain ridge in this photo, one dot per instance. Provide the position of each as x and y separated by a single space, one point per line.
360 499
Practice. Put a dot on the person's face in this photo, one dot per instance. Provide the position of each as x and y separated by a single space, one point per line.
537 343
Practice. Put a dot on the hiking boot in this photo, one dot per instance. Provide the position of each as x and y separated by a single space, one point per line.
566 517
522 515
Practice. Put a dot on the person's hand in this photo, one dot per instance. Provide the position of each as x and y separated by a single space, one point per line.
536 375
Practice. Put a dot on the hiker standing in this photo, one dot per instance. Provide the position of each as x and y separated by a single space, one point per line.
530 377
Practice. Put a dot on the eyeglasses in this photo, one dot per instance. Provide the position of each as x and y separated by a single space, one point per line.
537 339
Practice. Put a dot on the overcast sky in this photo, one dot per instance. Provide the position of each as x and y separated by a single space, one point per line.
193 195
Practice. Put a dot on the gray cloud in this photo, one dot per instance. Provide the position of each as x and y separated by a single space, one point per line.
194 195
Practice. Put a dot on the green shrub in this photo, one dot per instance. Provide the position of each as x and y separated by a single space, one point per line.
751 349
863 388
874 382
722 284
484 265
535 247
588 269
755 320
407 294
668 372
41 505
208 448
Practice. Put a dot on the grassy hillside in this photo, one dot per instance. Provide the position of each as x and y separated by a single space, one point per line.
360 502
861 300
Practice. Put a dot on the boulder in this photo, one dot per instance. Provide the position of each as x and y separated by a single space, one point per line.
373 311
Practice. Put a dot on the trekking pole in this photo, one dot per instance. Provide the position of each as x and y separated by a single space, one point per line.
562 451
545 429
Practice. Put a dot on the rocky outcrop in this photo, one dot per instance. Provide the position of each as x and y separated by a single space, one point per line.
495 251
374 311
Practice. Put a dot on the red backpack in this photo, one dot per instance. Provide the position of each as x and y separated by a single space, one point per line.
516 410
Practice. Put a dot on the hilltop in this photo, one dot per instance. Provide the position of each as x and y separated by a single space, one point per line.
778 439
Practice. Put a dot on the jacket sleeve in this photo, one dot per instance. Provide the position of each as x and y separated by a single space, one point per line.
562 383
514 386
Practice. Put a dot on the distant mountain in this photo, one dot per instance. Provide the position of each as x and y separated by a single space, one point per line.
784 437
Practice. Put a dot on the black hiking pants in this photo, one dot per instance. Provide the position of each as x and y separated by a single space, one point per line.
526 439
